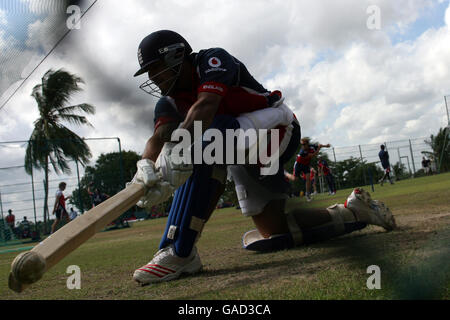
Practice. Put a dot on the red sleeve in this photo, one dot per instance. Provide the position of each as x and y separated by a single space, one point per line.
164 120
213 87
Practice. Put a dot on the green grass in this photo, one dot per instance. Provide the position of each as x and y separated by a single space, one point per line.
413 259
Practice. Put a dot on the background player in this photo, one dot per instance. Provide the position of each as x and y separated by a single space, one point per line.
59 209
384 158
97 197
326 172
303 162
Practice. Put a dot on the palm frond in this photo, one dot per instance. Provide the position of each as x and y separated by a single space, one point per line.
62 162
87 108
53 162
75 119
58 86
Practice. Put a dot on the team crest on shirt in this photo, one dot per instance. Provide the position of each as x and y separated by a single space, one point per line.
214 62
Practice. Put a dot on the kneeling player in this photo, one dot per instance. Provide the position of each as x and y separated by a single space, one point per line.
214 87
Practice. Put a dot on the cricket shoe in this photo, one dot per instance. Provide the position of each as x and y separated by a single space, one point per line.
166 266
379 214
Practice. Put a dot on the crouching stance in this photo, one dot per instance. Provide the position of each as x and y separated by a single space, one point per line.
215 88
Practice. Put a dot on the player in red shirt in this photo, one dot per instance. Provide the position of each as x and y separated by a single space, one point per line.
326 171
59 209
302 164
214 87
10 219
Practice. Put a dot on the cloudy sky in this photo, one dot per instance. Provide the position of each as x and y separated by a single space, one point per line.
348 81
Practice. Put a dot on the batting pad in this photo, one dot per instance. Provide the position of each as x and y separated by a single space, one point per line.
189 210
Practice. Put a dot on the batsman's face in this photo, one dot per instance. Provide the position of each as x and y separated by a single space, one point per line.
161 75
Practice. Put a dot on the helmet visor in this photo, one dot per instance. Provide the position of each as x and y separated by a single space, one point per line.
163 82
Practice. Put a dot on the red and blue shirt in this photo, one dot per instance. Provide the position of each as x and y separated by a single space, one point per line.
324 165
61 200
303 158
216 71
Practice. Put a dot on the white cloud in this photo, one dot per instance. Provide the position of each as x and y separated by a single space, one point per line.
447 16
347 84
43 34
3 20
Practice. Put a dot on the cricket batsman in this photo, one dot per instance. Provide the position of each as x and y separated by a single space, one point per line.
214 87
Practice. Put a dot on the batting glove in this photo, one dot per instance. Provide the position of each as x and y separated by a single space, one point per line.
146 173
172 167
160 192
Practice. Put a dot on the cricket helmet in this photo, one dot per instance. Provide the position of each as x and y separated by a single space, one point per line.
164 46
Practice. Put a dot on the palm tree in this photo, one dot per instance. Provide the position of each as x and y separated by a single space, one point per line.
50 141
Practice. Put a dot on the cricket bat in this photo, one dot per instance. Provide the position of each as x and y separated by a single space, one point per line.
28 267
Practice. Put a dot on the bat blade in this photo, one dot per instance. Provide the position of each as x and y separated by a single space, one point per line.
73 234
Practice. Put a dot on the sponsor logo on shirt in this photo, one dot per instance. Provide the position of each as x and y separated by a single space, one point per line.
214 62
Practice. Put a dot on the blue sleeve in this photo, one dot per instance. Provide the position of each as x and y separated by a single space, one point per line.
166 111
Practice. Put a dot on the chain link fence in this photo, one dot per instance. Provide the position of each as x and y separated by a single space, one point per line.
24 194
405 157
407 152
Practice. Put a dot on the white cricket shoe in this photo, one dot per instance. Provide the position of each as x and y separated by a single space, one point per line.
166 266
380 215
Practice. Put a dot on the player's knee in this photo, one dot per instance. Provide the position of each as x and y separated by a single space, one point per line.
271 220
275 230
253 197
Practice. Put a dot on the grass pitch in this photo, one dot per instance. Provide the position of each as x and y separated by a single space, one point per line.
414 260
